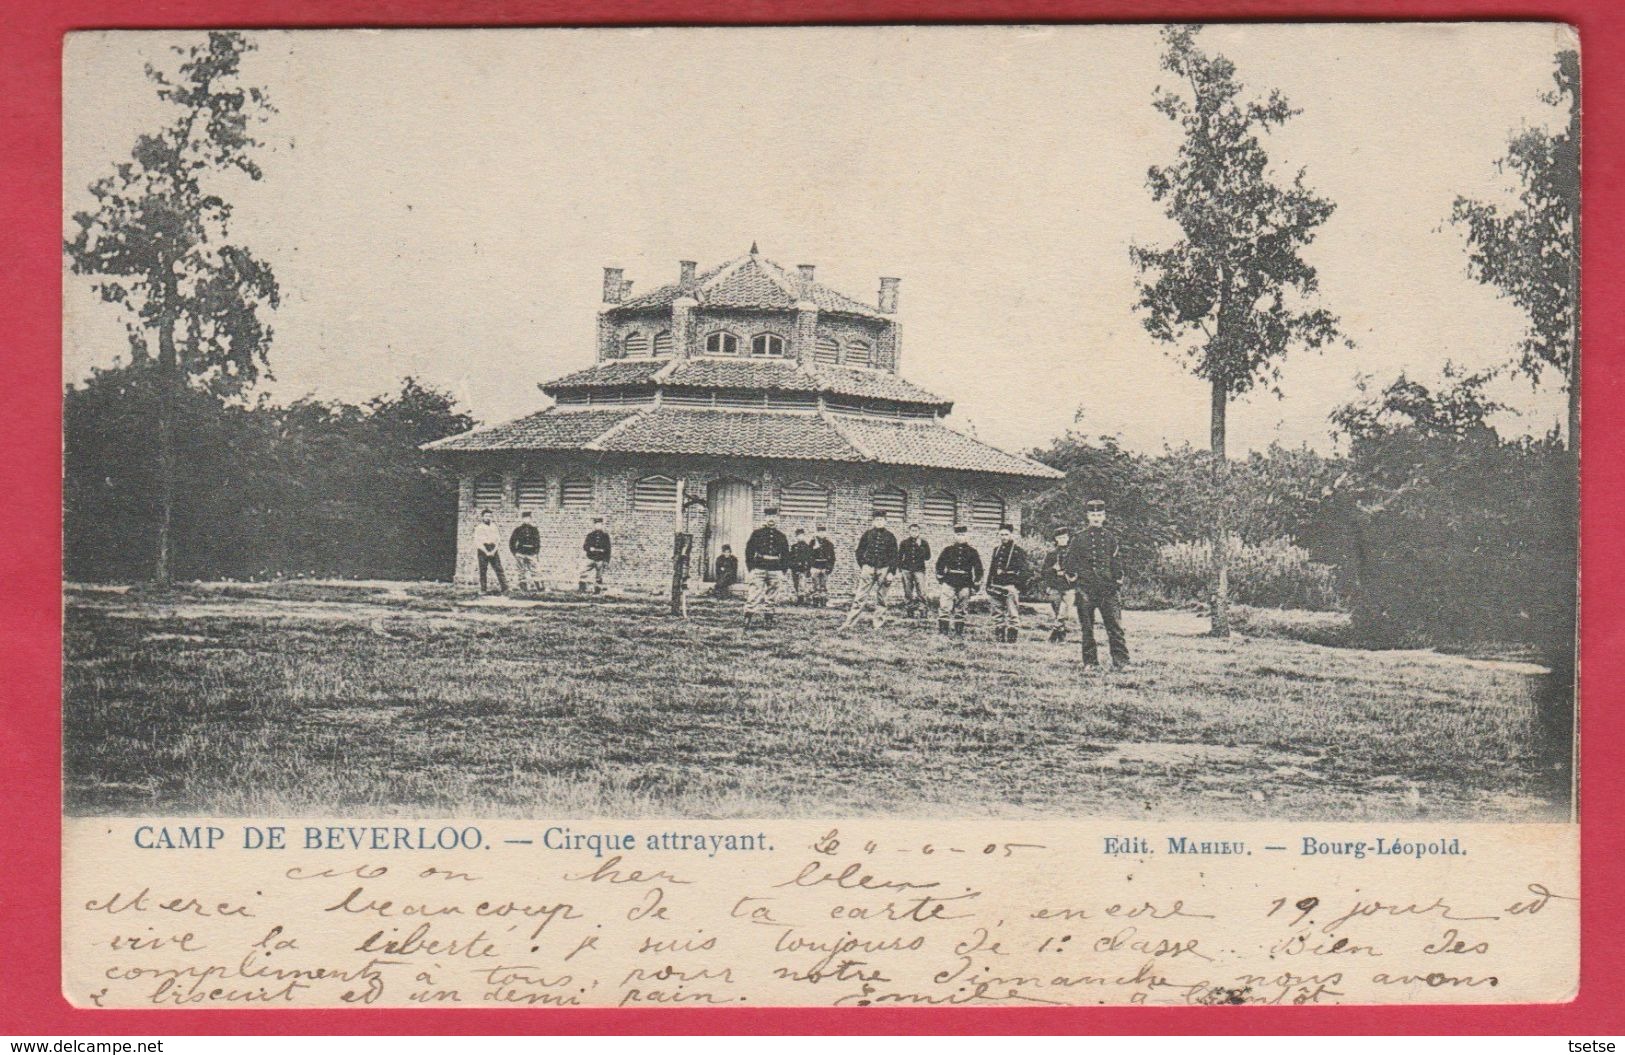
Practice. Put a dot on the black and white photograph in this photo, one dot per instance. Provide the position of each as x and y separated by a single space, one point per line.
1163 422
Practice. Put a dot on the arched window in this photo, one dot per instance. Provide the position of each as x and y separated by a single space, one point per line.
488 492
654 494
987 512
663 344
575 494
767 344
721 343
941 508
859 353
635 345
804 499
893 501
531 492
827 351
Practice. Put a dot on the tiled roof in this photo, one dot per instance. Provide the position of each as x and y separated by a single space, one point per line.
547 430
748 434
615 372
751 281
934 446
765 374
733 434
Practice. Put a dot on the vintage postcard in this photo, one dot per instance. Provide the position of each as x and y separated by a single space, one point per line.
850 516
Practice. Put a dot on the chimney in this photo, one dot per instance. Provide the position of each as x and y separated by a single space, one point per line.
626 289
805 290
613 287
888 295
686 275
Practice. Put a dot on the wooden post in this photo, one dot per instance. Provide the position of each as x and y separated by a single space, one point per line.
682 543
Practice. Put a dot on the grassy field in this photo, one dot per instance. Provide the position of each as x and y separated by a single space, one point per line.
385 699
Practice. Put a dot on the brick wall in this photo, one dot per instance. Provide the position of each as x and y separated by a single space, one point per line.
643 541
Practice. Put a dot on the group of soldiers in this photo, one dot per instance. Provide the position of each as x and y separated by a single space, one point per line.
1082 576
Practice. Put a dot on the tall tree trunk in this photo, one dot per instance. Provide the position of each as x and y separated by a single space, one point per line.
168 382
1221 517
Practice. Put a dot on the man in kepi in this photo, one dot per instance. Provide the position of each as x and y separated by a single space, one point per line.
1095 565
912 557
877 559
959 570
767 560
486 540
727 572
823 562
596 547
525 543
1063 590
1006 574
800 565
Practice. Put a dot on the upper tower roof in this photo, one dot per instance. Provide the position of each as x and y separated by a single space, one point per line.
753 282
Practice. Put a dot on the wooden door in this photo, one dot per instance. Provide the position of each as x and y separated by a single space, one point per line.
730 520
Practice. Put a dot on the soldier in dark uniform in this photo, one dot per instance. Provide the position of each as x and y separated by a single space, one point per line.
1006 574
913 555
525 543
767 561
727 572
877 560
823 562
1063 590
596 547
800 565
959 570
1095 564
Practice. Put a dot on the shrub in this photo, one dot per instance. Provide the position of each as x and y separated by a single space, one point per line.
1272 574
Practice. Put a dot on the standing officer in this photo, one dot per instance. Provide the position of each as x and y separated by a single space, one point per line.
525 543
597 549
1063 590
1006 573
912 557
823 562
959 570
800 565
1095 564
877 560
767 559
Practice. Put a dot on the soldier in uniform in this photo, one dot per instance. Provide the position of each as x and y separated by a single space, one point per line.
1006 574
823 562
727 572
525 543
1095 565
767 561
596 547
912 557
877 560
800 565
959 570
1063 590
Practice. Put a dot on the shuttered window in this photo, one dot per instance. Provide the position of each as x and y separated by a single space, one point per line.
654 494
680 398
941 509
804 499
827 351
532 492
575 494
662 344
893 501
858 353
987 512
488 492
635 345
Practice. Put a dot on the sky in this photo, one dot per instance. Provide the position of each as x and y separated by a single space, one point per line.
441 203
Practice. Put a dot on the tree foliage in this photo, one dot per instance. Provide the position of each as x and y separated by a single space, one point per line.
1530 253
1231 294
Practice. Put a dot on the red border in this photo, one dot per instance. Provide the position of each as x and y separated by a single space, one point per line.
30 595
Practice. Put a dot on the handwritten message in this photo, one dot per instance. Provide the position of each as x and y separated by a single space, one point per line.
229 913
